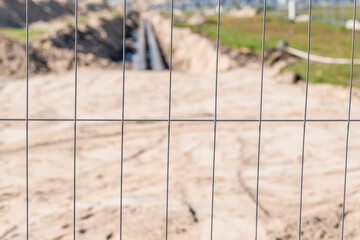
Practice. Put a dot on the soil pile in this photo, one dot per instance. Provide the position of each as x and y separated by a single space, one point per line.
13 58
12 12
99 44
101 37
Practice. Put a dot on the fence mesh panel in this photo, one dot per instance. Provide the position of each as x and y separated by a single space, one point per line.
170 120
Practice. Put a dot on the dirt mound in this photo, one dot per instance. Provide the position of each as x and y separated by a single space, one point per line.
99 44
101 37
50 59
13 58
12 12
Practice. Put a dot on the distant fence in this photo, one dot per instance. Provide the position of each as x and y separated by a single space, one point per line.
327 11
169 120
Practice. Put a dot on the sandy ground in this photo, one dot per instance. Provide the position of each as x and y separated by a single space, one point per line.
98 158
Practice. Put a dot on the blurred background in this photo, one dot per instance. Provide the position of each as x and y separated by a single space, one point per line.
147 53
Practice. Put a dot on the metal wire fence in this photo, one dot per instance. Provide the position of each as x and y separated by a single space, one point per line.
170 120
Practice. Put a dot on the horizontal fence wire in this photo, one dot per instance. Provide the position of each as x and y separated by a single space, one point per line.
166 120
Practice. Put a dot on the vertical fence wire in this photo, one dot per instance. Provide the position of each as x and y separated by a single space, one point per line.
27 118
305 119
260 120
348 123
122 120
169 124
215 120
75 111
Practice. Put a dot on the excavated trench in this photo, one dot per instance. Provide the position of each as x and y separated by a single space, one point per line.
149 55
100 44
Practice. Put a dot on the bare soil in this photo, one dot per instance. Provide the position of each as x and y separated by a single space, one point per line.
98 157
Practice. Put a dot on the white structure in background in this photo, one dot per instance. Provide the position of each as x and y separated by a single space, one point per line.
217 9
349 24
292 10
282 3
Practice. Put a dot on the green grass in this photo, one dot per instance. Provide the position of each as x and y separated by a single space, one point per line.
20 33
326 40
326 73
